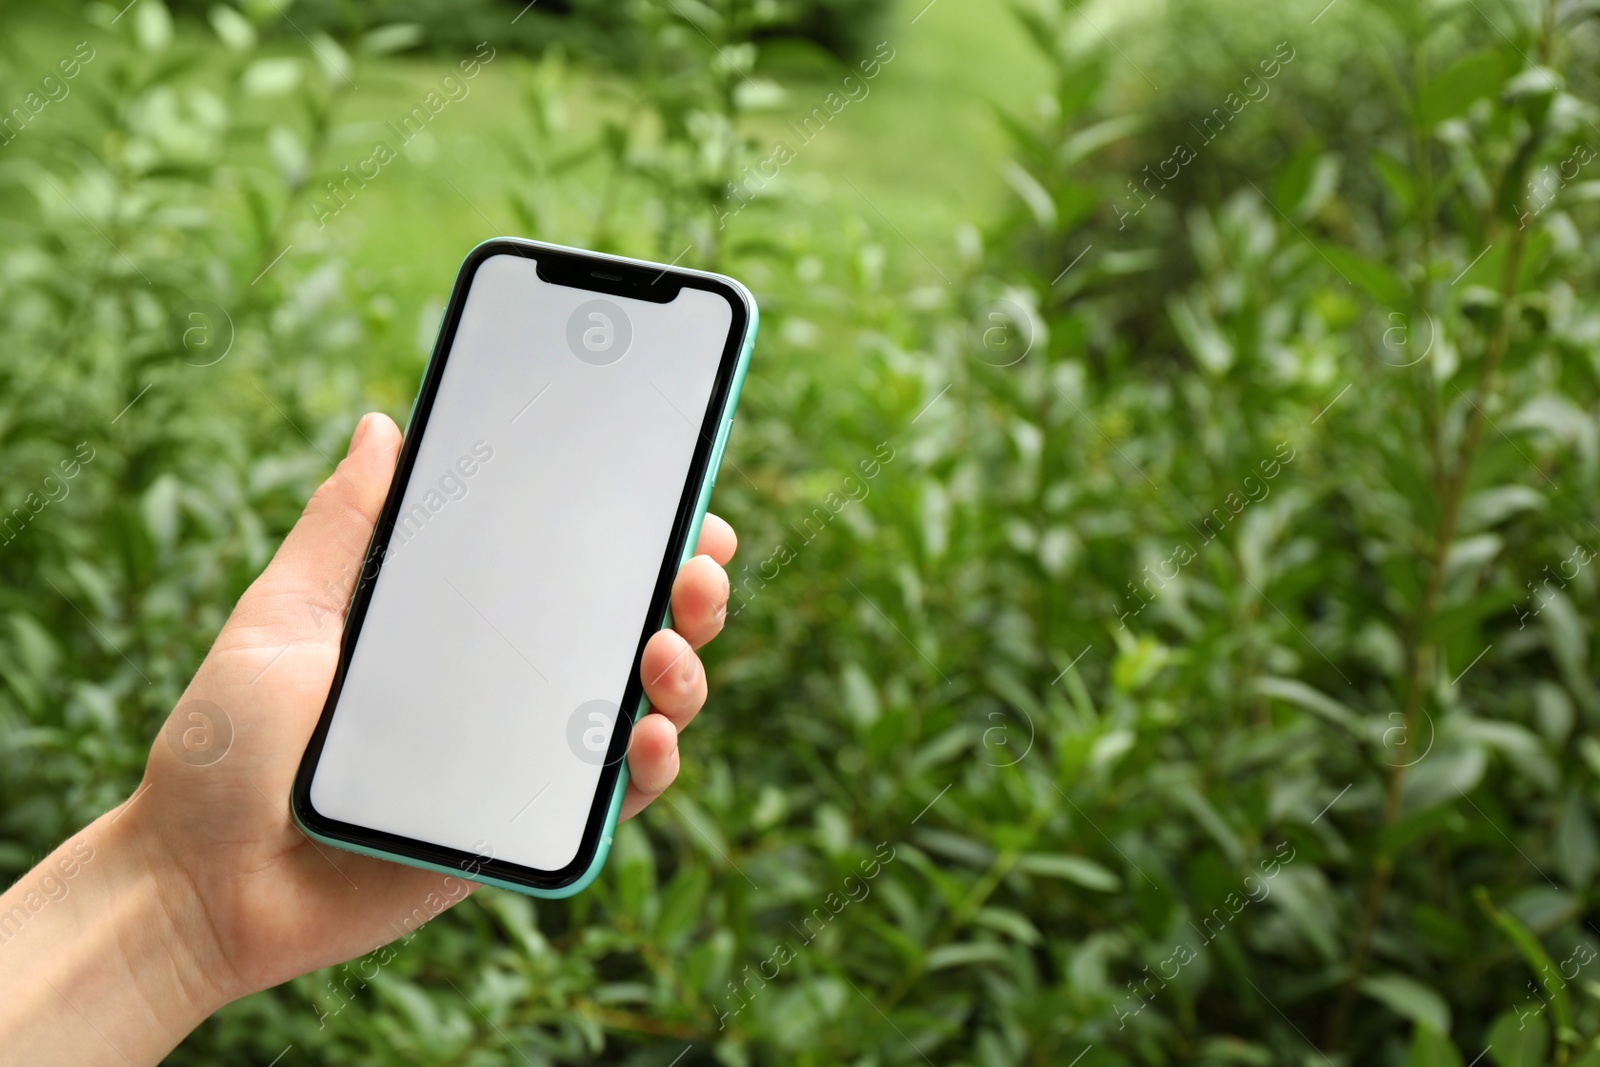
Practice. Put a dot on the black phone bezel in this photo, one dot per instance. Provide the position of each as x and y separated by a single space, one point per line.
597 273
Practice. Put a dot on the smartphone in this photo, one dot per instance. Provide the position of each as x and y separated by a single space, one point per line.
560 456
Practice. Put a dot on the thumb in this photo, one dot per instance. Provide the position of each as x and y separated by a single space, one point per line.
320 559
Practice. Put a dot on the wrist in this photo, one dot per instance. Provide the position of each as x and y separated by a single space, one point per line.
105 952
163 929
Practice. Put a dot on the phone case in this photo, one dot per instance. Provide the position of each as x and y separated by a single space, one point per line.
702 506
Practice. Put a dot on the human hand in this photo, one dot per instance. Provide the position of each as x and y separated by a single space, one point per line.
200 889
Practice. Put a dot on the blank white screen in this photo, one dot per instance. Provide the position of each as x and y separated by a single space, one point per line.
518 592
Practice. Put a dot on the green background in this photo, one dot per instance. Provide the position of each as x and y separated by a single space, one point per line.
1166 485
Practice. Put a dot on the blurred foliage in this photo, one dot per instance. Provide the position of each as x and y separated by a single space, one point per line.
1161 632
607 29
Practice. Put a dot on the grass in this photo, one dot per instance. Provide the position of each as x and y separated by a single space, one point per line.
921 146
915 158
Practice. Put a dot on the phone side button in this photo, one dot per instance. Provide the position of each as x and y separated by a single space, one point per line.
718 448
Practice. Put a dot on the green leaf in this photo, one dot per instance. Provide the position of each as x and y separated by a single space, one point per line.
153 25
233 29
1139 662
395 37
1011 923
1397 178
1294 177
1081 84
1534 81
332 58
287 152
1439 774
634 865
1429 1048
1305 897
1200 334
682 903
860 695
1091 139
1205 813
1456 88
1533 953
1036 196
967 952
1231 1049
1519 1039
1304 696
1575 851
1408 997
272 77
1307 181
160 507
1567 634
1370 276
1075 869
1489 507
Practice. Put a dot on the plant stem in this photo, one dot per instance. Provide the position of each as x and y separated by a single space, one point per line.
1421 653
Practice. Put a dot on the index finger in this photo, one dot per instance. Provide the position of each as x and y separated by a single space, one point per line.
717 539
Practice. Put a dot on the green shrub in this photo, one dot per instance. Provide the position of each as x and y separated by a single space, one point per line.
1160 637
609 30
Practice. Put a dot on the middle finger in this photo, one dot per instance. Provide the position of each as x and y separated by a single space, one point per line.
674 679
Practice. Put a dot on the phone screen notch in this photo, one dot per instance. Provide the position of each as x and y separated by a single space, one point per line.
612 278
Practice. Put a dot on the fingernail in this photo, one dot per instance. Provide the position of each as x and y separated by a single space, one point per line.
721 613
361 431
690 672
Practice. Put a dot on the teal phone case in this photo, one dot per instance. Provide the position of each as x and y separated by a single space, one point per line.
614 810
